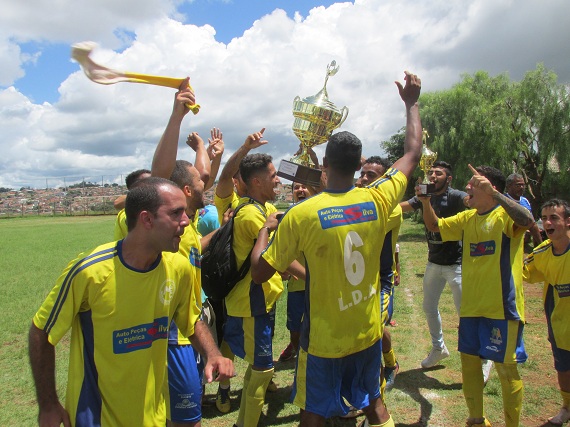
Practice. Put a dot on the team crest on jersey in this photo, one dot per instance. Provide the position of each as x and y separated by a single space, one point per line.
343 215
482 248
563 290
195 257
167 290
496 337
486 226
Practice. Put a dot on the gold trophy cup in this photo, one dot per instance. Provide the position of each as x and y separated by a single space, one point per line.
426 162
315 119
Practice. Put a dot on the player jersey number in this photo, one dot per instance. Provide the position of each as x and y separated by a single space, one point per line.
353 260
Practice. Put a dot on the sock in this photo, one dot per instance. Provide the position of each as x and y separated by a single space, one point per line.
565 399
241 414
226 352
512 388
389 358
255 396
472 384
389 423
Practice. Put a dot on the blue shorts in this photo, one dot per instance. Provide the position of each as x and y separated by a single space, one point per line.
250 338
295 310
386 305
183 395
497 340
321 383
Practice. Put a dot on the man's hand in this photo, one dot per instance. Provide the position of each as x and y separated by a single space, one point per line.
411 92
272 221
255 140
215 144
194 140
481 182
185 95
221 367
54 417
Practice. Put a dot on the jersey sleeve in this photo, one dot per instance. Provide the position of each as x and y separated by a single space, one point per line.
451 228
67 298
121 229
188 311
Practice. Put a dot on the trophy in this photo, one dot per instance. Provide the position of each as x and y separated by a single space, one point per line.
426 162
315 119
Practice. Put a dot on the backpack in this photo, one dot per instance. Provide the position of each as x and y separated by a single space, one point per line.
218 264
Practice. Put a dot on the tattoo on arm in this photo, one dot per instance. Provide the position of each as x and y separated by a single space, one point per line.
520 215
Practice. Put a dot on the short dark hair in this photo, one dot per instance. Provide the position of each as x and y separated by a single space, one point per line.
495 176
252 164
343 152
377 160
557 203
443 165
144 196
512 177
181 175
134 177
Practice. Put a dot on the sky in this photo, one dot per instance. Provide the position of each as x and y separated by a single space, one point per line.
247 61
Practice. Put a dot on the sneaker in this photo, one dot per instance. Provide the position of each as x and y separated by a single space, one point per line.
434 356
487 365
390 375
223 400
559 419
288 354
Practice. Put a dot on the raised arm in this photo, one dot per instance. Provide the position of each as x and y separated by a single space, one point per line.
225 185
430 218
215 151
413 142
519 214
202 161
42 361
164 158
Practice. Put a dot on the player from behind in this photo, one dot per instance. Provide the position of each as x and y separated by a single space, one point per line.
337 231
550 263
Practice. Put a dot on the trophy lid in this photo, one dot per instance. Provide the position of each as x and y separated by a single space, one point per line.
321 99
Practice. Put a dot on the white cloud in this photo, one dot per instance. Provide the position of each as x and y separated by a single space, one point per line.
250 83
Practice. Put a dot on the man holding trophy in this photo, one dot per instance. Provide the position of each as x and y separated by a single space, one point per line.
340 345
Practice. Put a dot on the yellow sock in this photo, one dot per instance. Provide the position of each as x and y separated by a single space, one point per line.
565 399
472 384
389 423
512 389
226 352
389 358
255 396
241 414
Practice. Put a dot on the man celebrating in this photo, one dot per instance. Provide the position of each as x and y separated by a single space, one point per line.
491 318
336 231
119 300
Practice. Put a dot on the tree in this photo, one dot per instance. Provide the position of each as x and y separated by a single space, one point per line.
521 127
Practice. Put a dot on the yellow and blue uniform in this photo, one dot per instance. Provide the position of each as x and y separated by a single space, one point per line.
233 201
119 318
554 270
491 316
388 264
337 232
121 229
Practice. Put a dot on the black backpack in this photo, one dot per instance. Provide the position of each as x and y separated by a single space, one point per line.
218 264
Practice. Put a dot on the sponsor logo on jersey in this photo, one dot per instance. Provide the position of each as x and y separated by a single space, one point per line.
343 215
563 290
482 248
140 336
195 257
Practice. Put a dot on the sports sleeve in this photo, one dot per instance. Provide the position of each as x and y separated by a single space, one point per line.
388 190
451 228
121 229
67 298
188 311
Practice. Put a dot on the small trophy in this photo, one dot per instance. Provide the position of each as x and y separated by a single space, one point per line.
426 162
315 119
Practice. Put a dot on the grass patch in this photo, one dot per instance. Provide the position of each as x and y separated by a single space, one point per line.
34 251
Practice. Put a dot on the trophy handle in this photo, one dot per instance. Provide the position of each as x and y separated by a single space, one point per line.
344 112
296 99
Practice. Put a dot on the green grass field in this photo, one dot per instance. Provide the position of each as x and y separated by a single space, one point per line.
34 251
